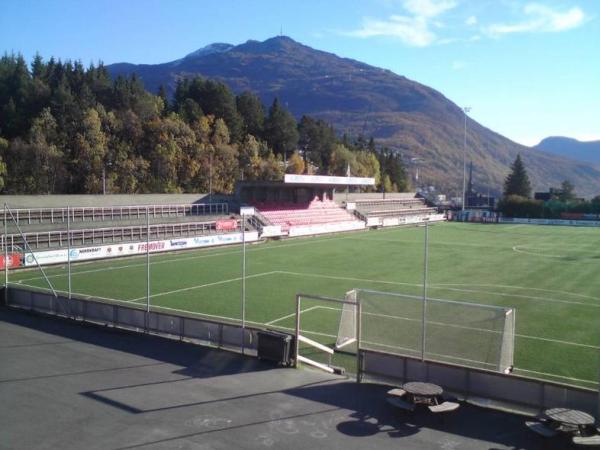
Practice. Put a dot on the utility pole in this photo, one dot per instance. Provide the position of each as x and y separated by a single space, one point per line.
466 109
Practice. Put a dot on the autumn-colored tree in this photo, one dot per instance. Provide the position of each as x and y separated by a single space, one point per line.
295 164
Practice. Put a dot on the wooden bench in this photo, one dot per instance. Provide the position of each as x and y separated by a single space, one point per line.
591 441
444 407
397 402
541 429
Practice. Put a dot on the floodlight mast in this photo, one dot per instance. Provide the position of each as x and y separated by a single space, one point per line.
425 274
466 109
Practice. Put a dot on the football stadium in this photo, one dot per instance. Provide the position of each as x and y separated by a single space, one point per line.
370 287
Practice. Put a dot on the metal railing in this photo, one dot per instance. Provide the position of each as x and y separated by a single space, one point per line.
93 236
400 212
30 216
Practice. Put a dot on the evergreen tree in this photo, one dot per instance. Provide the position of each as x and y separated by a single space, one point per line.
162 94
3 150
517 182
567 191
280 130
217 99
253 113
317 141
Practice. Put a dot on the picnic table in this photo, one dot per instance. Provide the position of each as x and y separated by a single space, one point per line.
569 420
421 392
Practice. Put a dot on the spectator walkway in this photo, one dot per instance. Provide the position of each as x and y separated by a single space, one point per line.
72 386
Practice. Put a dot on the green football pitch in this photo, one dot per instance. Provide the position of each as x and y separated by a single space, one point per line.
548 274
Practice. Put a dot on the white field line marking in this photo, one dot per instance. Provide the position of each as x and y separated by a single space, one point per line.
291 315
517 287
510 227
526 252
527 297
431 242
333 277
399 283
558 341
200 286
389 316
551 375
184 258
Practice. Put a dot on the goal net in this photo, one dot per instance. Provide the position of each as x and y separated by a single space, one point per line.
347 325
462 333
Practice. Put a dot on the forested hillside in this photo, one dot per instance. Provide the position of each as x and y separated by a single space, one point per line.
357 98
64 128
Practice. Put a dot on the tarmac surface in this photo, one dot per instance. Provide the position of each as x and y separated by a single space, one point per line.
66 385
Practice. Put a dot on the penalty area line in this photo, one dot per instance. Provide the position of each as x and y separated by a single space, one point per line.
200 286
433 286
291 315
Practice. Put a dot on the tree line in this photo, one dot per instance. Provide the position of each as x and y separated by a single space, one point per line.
68 129
517 201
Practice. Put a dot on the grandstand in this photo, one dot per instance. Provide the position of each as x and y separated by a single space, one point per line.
403 208
316 212
46 228
305 204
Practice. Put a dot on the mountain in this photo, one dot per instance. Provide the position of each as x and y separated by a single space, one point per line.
357 99
571 148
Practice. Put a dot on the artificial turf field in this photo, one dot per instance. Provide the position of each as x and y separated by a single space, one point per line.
548 274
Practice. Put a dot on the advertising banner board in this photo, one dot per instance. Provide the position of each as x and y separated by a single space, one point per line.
135 248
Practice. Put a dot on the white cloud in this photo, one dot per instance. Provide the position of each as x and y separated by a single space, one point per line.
471 20
414 29
428 8
540 18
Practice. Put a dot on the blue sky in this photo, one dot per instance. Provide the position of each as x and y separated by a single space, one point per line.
528 69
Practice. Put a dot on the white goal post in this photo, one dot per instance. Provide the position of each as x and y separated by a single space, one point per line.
347 326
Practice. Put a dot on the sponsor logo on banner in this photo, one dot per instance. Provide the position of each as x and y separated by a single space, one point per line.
581 223
91 250
203 241
111 251
152 247
50 257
